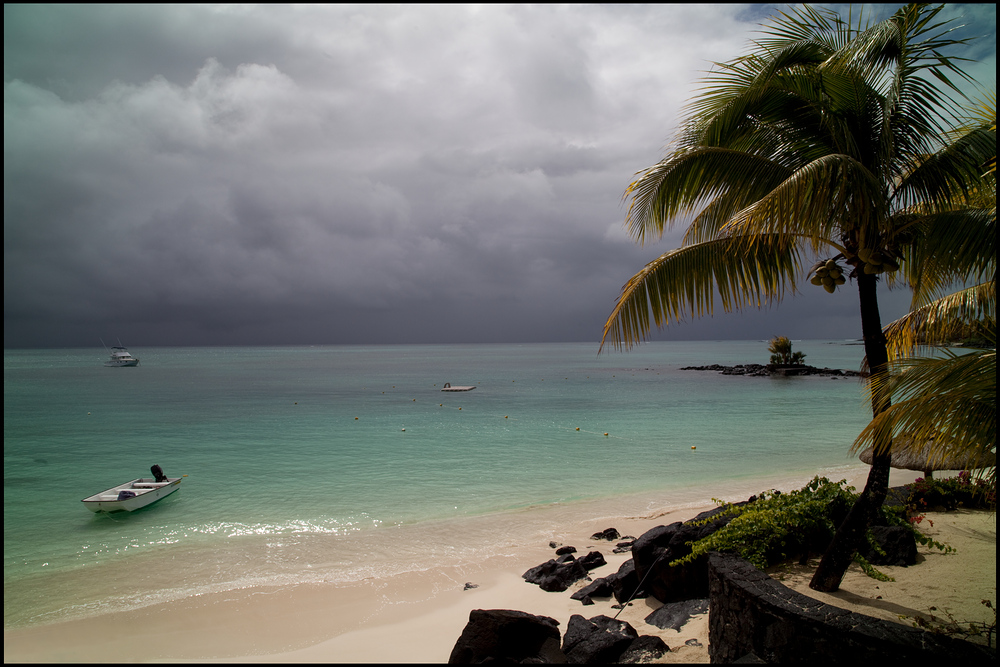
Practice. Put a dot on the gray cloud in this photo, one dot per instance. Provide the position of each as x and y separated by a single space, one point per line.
339 174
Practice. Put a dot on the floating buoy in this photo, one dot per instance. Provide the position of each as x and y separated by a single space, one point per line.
505 416
460 408
605 434
577 428
414 400
693 447
88 413
404 429
296 402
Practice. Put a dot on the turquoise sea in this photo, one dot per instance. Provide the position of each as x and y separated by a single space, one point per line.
336 463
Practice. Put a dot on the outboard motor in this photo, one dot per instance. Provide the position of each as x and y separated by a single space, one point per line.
158 473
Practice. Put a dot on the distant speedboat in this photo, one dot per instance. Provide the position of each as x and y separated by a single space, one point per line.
121 357
135 494
448 387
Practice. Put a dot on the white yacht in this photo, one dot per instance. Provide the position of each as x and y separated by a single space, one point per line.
121 357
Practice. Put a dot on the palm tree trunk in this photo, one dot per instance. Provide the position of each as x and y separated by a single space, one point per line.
851 533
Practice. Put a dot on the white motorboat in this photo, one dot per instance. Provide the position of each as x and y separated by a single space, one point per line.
448 387
135 494
121 357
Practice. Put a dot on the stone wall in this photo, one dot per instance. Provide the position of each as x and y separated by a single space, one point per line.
753 616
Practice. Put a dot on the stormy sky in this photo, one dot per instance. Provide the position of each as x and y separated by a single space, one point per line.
215 175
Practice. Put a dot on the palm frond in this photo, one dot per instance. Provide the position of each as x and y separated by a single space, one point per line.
808 22
686 180
968 313
946 405
952 246
685 282
955 171
820 200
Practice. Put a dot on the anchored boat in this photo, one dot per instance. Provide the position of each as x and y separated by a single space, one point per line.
135 494
121 357
448 387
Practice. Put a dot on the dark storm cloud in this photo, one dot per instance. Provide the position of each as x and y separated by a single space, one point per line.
322 174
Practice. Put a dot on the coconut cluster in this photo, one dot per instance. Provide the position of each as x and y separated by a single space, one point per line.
877 261
829 275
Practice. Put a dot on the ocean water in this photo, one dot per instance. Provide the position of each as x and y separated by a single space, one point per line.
337 463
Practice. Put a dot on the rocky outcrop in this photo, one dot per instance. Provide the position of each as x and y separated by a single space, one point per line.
625 583
655 549
755 618
592 560
897 543
599 588
609 534
503 635
601 639
605 640
761 370
645 649
513 637
674 615
556 575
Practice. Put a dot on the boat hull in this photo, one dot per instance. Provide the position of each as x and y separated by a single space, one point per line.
147 492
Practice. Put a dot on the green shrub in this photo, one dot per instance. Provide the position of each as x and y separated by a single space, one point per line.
951 493
778 526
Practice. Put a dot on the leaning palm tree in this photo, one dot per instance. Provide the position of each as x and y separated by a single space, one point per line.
945 404
821 143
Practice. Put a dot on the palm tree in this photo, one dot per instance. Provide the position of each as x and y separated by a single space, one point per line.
780 348
822 143
945 405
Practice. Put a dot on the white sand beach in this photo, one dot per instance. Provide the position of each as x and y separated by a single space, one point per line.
419 616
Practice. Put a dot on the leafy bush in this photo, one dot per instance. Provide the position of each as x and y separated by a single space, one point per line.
777 526
951 493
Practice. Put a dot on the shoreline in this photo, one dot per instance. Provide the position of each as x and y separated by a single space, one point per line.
424 612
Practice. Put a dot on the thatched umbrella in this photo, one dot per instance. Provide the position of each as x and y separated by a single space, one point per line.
913 458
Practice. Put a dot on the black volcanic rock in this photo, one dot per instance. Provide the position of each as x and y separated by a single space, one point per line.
556 575
506 636
599 640
897 542
601 588
674 615
761 370
644 649
592 560
609 534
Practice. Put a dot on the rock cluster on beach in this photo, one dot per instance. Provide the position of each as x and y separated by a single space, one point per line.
506 635
767 370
